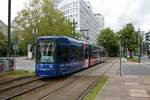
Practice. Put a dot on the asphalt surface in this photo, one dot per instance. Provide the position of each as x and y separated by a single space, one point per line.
73 90
146 60
23 63
134 84
142 68
127 68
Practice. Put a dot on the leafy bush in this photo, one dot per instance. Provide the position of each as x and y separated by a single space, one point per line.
3 45
133 59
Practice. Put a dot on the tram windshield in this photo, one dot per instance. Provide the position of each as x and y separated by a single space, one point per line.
45 52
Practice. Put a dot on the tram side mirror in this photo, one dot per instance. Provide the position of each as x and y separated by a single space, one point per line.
31 46
30 49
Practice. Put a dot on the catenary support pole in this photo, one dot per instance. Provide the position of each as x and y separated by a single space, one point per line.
120 51
9 29
139 47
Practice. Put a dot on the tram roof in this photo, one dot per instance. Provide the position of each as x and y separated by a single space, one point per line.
62 39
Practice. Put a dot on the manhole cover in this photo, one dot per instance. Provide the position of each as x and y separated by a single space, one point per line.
139 93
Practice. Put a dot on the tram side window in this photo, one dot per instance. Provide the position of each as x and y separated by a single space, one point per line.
81 52
76 55
62 54
65 54
87 53
95 54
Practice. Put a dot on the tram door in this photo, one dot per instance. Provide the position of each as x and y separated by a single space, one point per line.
86 55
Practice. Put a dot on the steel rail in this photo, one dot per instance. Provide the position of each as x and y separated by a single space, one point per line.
93 84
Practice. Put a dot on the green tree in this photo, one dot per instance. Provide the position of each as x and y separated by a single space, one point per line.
3 45
129 37
107 39
40 15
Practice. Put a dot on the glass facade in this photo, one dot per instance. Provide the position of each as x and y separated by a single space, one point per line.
3 28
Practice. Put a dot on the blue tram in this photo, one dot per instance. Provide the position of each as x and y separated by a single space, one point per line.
60 55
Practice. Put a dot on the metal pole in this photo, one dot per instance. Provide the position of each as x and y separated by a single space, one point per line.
15 51
74 26
120 56
126 49
34 40
142 49
9 29
139 45
87 38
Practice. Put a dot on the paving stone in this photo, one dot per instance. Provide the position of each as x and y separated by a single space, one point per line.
135 98
131 83
131 76
109 98
146 82
139 93
126 87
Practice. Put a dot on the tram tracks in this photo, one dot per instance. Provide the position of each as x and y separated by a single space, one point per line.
13 90
15 83
53 86
84 94
8 80
71 90
74 88
57 89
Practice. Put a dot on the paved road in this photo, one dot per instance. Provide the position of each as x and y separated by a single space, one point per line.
145 60
25 64
133 85
137 69
127 68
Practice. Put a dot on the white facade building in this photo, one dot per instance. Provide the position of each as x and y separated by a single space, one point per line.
100 20
56 2
147 36
81 11
3 28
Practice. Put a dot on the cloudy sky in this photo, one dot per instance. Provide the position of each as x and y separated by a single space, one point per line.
119 12
116 12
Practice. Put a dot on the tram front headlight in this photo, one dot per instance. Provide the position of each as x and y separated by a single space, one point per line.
51 66
38 66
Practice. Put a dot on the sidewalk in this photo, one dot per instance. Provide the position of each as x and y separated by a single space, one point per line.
126 87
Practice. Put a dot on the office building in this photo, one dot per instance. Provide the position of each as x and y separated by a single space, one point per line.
80 12
3 28
100 19
147 38
56 2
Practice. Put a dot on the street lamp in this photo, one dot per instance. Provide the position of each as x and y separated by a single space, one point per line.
126 41
74 26
139 43
120 51
34 32
15 47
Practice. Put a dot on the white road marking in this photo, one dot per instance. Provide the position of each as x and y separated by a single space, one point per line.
139 93
131 76
131 83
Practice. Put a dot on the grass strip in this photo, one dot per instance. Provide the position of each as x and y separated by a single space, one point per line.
17 73
92 94
133 59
